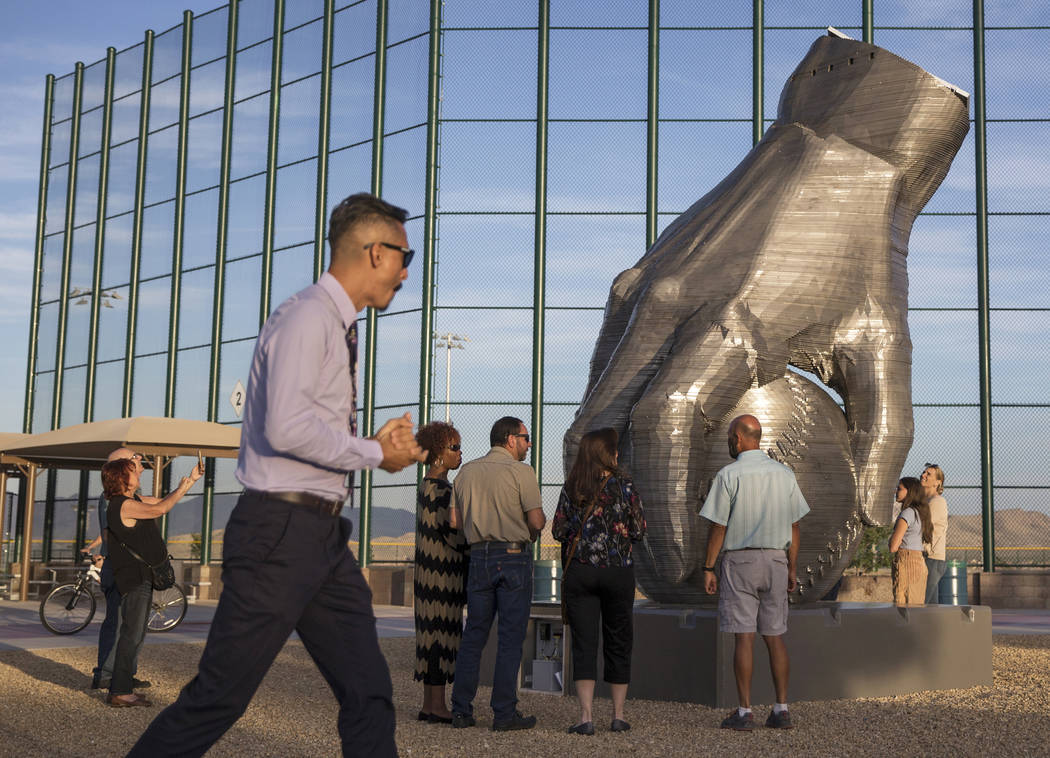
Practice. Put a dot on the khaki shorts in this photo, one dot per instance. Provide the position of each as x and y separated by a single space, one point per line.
753 588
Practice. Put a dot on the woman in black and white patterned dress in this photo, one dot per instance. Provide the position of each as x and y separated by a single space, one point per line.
440 574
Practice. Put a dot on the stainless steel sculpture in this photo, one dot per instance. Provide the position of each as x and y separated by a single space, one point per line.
797 258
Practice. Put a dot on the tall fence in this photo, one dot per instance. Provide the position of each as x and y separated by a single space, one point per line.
540 148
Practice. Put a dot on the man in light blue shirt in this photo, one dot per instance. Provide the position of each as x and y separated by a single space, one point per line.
754 507
286 563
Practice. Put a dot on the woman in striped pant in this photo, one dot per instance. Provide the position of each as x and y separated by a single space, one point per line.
912 528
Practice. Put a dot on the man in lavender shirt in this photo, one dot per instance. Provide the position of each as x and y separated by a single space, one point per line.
286 564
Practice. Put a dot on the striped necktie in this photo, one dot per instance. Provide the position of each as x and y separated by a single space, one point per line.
351 346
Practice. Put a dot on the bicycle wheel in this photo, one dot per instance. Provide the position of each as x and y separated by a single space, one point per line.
167 610
67 609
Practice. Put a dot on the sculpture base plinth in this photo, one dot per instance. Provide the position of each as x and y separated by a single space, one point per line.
837 650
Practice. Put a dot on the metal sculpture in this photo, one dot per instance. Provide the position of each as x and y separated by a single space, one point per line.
797 258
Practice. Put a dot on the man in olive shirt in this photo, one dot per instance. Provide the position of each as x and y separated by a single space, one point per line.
496 501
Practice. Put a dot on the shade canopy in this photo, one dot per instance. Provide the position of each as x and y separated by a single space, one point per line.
9 440
88 445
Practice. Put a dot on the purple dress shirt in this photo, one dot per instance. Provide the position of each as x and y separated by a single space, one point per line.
296 435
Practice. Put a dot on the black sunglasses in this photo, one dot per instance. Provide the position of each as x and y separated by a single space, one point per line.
406 252
523 436
930 465
454 448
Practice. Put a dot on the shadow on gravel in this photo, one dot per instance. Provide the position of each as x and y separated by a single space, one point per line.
45 670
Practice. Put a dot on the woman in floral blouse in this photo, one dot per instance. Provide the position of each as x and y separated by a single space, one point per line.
601 514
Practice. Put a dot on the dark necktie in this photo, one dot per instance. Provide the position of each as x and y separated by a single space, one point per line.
351 345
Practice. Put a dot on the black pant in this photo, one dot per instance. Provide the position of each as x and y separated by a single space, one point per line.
606 595
134 614
285 567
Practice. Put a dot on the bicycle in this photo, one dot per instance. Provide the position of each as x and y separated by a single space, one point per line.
68 608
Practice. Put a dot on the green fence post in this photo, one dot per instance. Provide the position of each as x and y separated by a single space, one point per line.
653 130
324 131
426 340
136 230
38 256
758 42
82 512
539 285
179 226
270 200
983 326
868 22
67 249
364 535
100 238
207 508
48 533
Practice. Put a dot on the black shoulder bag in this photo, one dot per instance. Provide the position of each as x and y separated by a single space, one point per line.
163 574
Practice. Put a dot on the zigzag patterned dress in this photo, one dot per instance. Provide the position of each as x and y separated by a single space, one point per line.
440 584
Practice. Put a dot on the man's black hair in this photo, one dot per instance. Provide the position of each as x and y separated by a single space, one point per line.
502 429
357 209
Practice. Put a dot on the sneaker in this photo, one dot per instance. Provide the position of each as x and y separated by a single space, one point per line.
780 720
462 721
740 723
517 721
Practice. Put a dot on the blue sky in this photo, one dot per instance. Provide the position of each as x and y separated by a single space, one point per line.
39 39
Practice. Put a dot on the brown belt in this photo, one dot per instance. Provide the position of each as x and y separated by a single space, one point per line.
322 505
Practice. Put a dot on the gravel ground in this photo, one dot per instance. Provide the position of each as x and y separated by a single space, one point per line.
47 711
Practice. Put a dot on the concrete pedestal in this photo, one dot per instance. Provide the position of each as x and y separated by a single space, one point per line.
837 650
205 582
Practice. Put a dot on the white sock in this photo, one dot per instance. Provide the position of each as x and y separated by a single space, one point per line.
742 711
780 707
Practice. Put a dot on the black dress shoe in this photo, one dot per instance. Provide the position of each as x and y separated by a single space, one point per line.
515 722
586 727
462 721
619 725
433 718
422 716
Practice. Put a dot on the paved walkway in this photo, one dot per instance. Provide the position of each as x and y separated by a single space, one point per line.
20 627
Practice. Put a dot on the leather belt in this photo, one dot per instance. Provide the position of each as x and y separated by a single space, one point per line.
505 545
322 505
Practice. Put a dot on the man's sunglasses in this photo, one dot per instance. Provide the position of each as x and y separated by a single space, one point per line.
523 436
406 252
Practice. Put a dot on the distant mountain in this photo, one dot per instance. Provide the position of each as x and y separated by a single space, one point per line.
1013 528
386 522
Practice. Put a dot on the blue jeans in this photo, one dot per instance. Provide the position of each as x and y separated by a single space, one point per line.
108 630
934 571
499 583
134 612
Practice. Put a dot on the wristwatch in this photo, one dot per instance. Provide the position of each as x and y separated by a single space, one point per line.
709 568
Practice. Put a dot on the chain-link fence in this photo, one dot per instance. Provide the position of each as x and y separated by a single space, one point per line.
540 148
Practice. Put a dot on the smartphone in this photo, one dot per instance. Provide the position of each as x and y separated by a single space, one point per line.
200 460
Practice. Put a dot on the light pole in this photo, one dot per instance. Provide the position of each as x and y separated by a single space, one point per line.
85 294
449 341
